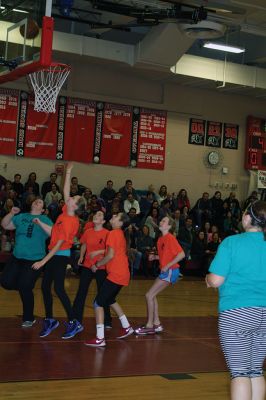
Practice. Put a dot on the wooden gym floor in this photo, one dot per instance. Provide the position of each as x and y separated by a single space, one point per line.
184 362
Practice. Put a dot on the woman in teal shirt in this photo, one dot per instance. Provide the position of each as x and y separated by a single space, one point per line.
239 271
30 246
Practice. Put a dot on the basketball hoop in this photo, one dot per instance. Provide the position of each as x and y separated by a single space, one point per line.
47 84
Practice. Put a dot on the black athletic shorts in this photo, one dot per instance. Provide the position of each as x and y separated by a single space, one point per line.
107 293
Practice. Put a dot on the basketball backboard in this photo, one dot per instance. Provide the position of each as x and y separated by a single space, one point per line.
25 37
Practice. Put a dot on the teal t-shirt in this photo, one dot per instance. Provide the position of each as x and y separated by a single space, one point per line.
30 238
241 260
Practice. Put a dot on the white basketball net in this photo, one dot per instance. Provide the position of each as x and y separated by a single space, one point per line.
47 84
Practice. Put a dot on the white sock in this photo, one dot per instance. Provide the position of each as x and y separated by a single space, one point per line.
100 331
124 321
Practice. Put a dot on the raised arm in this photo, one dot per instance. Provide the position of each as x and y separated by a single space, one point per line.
69 167
6 222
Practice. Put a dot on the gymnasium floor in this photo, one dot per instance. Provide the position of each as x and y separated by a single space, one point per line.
184 362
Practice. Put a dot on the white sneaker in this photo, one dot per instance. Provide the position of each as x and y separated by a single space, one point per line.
28 324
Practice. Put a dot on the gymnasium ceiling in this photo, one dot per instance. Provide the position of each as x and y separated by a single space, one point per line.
236 22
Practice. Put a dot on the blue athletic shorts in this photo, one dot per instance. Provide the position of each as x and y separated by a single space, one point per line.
170 276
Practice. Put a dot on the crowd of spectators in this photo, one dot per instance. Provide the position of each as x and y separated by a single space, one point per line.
199 227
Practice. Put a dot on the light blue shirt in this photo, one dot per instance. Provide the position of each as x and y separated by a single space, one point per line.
30 240
241 260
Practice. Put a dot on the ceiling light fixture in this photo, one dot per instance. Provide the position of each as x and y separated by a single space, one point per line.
224 47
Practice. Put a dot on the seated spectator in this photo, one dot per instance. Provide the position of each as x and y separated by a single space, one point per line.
232 198
94 205
145 204
217 209
13 195
134 255
210 252
27 198
235 210
144 244
108 194
54 210
202 209
198 248
2 182
9 204
81 188
183 215
230 225
47 186
162 194
155 204
134 218
151 189
185 236
253 197
17 185
4 193
152 222
207 231
74 190
32 182
128 188
53 196
86 196
131 202
176 218
165 209
182 200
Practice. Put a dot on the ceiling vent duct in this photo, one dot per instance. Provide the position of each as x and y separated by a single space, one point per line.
203 30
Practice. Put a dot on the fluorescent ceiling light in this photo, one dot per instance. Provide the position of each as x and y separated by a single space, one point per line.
224 47
15 9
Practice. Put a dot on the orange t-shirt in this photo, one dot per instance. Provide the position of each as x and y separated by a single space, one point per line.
168 248
65 228
117 268
94 240
88 225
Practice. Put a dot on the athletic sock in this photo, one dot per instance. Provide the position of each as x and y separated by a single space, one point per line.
124 321
100 331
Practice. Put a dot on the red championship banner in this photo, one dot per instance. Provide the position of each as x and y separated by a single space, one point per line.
79 130
116 135
41 133
151 139
9 109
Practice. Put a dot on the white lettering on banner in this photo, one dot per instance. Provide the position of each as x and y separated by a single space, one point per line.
33 144
3 139
7 121
135 137
98 132
60 133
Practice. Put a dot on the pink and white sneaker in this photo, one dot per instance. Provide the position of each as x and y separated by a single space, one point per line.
125 332
95 342
158 328
143 330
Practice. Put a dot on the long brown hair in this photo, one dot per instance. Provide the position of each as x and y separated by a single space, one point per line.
257 212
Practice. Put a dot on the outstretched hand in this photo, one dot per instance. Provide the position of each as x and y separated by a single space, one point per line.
69 166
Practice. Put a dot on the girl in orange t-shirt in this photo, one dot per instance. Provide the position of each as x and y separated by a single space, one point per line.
63 232
92 250
118 275
170 253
